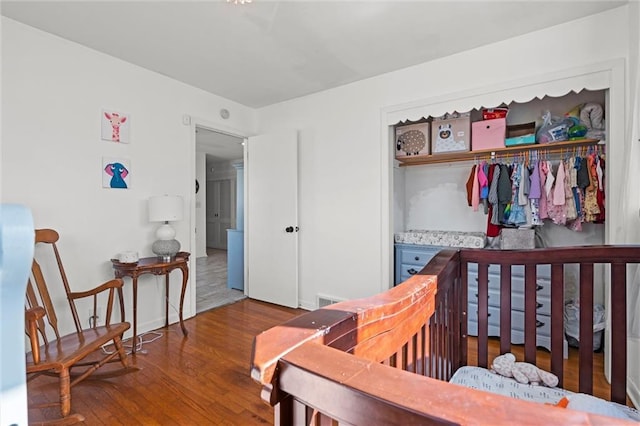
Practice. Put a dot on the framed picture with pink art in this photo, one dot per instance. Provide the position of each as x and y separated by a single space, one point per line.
115 126
116 173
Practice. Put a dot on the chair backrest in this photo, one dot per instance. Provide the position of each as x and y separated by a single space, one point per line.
38 292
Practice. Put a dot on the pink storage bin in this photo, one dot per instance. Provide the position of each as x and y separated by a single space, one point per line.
488 134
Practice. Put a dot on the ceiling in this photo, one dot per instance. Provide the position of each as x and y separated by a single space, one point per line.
267 52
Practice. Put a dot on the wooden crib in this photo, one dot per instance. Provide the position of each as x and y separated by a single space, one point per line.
386 359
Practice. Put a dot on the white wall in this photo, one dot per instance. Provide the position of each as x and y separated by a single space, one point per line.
53 93
340 160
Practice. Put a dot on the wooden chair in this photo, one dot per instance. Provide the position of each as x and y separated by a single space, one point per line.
75 356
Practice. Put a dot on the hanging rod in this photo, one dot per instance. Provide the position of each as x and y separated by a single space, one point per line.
550 148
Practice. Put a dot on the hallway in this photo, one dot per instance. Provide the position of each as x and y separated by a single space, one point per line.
211 282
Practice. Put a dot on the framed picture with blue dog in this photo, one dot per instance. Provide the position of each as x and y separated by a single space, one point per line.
116 173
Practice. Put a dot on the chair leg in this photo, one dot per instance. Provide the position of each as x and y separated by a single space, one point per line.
117 341
65 392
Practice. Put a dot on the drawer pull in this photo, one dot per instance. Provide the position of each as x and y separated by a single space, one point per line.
416 258
412 271
539 287
539 324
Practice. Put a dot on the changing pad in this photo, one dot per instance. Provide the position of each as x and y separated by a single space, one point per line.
484 380
442 238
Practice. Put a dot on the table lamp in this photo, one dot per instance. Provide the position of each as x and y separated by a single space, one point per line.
165 208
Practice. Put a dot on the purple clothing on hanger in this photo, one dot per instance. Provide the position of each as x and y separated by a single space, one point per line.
535 191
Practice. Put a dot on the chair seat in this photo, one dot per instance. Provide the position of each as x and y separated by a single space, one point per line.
69 349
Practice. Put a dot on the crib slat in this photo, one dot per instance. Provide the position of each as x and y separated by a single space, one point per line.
619 332
483 314
505 308
586 328
557 321
283 411
530 320
441 339
454 332
423 352
464 309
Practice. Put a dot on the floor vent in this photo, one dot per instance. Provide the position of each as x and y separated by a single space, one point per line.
324 300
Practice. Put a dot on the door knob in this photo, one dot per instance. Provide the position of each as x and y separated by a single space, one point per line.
289 229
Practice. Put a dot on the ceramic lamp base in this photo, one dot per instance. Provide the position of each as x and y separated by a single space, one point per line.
166 249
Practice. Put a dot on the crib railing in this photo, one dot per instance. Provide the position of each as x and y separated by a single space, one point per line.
374 360
614 261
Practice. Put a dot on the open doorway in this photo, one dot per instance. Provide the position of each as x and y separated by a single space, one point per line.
218 161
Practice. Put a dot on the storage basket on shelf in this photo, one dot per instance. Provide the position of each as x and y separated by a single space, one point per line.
451 134
488 134
412 140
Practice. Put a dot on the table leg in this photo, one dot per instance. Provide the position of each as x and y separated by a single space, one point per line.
135 315
121 299
185 277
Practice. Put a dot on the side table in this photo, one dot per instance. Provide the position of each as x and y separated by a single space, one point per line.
152 265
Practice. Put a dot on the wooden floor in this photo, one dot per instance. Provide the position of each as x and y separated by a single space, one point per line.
197 380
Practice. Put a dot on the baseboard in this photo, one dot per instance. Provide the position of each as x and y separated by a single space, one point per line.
309 306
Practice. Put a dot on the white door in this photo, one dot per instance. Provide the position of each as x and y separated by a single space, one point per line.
271 217
219 208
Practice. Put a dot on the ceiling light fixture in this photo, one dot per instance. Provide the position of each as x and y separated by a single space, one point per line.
239 1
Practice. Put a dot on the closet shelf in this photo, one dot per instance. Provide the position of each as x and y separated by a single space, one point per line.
489 153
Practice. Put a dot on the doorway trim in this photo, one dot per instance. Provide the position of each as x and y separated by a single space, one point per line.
194 122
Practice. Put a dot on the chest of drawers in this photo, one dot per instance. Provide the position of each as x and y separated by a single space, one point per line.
543 286
410 259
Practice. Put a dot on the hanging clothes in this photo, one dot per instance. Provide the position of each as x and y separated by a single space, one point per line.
521 194
600 195
504 193
590 197
475 191
483 182
534 194
542 204
469 185
493 229
517 214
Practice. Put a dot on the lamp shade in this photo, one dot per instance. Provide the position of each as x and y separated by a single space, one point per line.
165 208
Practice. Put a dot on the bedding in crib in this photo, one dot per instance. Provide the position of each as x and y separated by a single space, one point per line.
484 380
